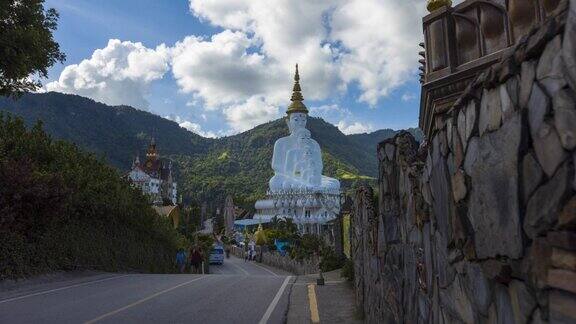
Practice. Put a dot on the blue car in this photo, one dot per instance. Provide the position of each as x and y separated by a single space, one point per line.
217 255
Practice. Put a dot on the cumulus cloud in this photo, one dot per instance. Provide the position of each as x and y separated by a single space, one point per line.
244 71
338 42
118 74
220 70
408 97
354 128
226 13
332 113
382 38
190 126
256 110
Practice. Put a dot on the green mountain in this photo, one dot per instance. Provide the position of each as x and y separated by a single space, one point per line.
206 169
372 139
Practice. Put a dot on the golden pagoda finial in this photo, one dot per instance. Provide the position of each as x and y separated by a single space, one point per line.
297 105
296 75
434 5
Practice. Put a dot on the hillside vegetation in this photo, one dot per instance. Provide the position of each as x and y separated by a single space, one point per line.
61 208
206 169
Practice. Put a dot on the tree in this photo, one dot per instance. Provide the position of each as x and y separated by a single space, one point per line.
27 46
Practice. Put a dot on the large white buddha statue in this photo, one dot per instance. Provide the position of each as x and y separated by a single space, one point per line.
297 158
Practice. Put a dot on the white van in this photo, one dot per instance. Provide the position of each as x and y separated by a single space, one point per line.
216 255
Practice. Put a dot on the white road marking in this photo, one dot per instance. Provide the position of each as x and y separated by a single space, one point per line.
138 302
275 301
259 266
59 289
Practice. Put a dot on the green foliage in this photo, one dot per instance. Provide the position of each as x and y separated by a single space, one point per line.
329 260
348 270
26 44
61 208
205 242
306 247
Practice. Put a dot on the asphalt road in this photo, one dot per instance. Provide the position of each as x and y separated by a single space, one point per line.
236 292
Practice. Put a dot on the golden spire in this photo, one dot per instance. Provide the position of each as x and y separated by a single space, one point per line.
297 105
437 4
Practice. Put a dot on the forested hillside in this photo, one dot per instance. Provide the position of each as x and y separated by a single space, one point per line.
207 169
115 133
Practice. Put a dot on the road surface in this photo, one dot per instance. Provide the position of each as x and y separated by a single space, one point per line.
236 292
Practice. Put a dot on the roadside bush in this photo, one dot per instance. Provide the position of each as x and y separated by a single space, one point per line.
348 270
61 208
329 260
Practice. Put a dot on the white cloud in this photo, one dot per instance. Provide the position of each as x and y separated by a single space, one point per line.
244 72
354 128
331 113
196 128
118 74
220 71
408 97
226 13
337 42
382 38
253 112
190 126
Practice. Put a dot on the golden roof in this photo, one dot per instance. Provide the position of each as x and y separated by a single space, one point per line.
297 106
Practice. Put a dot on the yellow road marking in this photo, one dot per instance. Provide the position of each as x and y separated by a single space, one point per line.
138 302
314 315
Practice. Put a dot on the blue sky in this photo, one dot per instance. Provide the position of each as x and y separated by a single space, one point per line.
219 67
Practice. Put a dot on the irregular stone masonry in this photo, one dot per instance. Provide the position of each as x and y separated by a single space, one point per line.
478 225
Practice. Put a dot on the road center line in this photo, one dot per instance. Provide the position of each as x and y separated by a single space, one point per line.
314 315
138 302
275 301
59 289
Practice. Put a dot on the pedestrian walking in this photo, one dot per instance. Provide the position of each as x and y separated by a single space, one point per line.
195 260
181 260
251 251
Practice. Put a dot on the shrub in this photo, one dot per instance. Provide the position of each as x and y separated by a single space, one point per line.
329 260
61 208
348 270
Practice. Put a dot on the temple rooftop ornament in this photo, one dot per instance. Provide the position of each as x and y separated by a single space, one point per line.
437 4
297 105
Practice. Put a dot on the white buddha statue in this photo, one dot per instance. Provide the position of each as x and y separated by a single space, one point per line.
297 158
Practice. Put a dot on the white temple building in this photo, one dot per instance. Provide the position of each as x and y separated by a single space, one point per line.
298 190
154 178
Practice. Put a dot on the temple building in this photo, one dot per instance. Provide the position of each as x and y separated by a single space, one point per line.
154 178
298 190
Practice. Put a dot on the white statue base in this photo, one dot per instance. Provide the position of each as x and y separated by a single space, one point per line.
308 209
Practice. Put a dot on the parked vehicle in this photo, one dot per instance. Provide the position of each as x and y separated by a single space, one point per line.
216 255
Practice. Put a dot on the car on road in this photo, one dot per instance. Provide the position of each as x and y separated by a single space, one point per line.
216 255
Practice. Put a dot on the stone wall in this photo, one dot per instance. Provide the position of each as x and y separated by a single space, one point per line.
479 224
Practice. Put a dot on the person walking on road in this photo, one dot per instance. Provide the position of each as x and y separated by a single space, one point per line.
181 260
195 260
